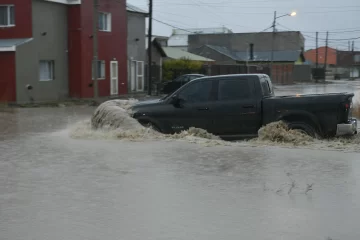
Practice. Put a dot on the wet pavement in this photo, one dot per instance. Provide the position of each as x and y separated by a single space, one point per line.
55 187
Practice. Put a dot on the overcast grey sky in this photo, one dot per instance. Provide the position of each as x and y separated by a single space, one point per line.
340 18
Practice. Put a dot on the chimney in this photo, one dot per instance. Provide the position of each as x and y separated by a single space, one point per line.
251 51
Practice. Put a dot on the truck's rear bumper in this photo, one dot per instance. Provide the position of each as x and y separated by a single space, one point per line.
345 129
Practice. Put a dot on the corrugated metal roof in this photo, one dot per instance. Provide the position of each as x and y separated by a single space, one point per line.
132 8
223 50
279 56
176 53
11 42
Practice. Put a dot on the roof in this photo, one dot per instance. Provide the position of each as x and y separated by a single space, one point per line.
223 50
176 53
9 45
331 55
279 56
132 8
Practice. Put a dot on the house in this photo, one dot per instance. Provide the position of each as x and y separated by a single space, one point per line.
46 49
348 64
283 49
331 58
236 48
344 64
136 47
179 37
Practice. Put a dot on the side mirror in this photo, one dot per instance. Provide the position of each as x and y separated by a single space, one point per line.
176 101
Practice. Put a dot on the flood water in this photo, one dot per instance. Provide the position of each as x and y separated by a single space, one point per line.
55 187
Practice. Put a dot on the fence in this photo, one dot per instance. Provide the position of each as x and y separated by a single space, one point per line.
302 73
281 73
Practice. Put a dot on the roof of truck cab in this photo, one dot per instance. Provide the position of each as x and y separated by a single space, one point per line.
236 75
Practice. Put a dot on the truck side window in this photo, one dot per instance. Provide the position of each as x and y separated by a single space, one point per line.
236 89
197 92
265 88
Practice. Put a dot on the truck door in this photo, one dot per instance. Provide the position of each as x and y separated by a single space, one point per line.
195 110
236 107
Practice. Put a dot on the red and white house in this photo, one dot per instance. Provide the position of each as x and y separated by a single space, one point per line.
46 49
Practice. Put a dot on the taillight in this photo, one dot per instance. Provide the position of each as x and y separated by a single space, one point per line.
347 106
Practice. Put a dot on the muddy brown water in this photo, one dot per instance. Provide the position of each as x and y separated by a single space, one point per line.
55 187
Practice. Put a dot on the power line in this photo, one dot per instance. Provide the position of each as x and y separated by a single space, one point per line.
338 39
170 25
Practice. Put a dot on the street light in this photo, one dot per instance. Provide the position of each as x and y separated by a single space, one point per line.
292 14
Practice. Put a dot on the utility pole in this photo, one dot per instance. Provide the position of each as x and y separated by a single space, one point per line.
272 44
326 52
95 48
349 46
317 50
150 46
353 60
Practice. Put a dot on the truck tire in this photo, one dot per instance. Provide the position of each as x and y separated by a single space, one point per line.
304 128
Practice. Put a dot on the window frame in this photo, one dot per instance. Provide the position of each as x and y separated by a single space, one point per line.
211 92
8 10
102 67
247 80
52 70
108 18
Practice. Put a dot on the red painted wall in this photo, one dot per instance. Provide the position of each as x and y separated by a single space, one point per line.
23 20
8 77
74 51
112 45
331 55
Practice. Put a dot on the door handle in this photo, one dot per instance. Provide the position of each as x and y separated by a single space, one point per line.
248 106
203 109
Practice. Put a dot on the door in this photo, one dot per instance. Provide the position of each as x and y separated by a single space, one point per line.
114 78
133 76
139 76
195 109
237 107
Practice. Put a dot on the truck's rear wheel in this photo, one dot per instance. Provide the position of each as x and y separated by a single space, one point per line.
304 128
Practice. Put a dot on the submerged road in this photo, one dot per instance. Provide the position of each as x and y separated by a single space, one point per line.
55 187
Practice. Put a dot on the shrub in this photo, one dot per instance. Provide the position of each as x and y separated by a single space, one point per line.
177 67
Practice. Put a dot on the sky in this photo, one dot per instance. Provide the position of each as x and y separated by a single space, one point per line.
340 18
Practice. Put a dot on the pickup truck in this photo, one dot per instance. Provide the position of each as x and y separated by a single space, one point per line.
239 105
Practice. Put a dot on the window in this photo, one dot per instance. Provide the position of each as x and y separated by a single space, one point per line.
7 15
236 89
100 70
46 70
197 92
104 21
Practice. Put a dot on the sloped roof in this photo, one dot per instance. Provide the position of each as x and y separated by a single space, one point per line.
279 56
132 8
176 53
223 50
